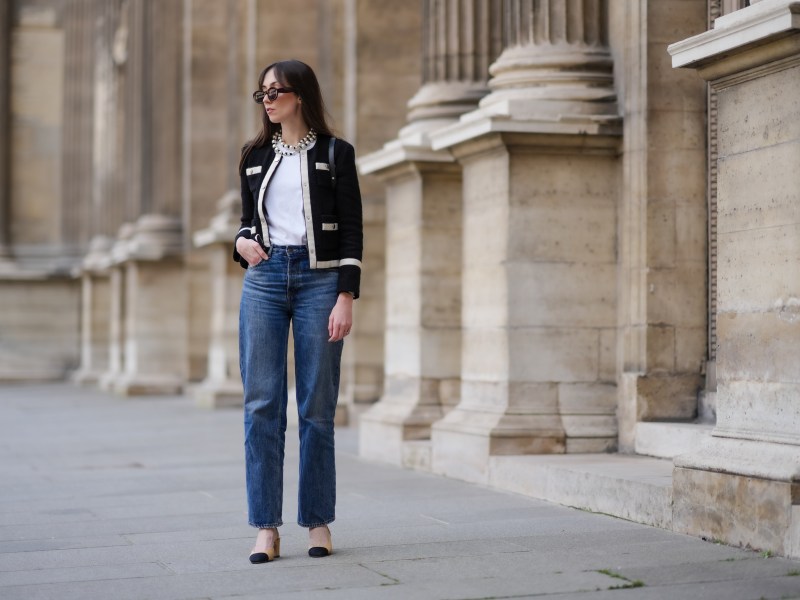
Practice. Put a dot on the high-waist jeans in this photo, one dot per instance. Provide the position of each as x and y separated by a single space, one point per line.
276 292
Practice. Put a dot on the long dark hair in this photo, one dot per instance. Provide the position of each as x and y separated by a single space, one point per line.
301 78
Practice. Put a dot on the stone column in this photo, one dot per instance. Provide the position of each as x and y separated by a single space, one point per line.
95 307
743 486
539 242
155 300
223 383
155 291
423 235
5 130
77 140
116 308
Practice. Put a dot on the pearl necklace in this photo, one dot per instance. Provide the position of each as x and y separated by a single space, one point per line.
285 149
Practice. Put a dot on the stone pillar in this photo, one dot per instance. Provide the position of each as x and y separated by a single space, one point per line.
95 306
662 252
155 300
5 130
423 235
743 486
116 309
539 246
77 137
223 383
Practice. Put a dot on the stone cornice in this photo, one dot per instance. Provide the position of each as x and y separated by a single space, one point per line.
742 30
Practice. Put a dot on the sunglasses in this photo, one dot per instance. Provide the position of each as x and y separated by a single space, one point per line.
271 94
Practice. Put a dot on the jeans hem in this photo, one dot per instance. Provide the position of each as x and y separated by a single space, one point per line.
267 526
320 524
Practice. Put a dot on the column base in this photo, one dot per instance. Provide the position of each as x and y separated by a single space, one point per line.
214 394
143 385
405 414
86 376
741 492
464 440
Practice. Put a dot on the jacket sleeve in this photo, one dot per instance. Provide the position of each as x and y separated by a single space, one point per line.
351 233
246 229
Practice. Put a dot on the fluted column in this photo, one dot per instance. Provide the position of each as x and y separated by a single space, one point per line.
76 184
155 296
557 64
5 133
423 226
538 312
459 41
110 52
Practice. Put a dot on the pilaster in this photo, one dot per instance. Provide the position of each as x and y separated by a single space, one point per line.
95 307
153 335
743 485
539 246
222 385
423 234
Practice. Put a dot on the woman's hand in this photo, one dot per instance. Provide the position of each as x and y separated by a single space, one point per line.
251 251
341 319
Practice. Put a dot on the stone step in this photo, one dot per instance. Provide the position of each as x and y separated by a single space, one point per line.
668 440
632 487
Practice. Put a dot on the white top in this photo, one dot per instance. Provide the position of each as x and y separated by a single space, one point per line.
285 216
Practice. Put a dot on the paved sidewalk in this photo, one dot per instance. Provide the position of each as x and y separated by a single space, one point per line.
110 498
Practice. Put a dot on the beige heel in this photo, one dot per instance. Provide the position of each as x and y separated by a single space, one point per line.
323 550
272 553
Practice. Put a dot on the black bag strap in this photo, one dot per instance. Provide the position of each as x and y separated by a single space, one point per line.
331 163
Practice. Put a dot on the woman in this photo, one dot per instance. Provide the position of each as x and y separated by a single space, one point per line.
301 243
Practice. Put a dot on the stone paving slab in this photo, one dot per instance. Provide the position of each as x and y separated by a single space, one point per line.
133 499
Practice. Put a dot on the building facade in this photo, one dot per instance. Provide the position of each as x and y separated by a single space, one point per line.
581 274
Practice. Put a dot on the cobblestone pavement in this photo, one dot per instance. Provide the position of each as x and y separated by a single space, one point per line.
112 498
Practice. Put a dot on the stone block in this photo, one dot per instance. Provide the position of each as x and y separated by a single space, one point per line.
736 509
587 399
568 295
667 440
440 353
634 488
758 271
553 354
760 410
660 348
39 321
441 300
551 230
608 355
667 397
661 234
759 112
677 130
485 354
671 20
458 453
485 296
691 231
678 177
678 296
759 346
691 349
759 189
518 397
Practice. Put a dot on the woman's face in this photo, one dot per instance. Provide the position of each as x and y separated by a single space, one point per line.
286 107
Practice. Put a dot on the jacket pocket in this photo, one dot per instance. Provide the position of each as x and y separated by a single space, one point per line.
329 235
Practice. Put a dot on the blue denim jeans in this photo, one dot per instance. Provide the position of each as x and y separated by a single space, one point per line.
276 292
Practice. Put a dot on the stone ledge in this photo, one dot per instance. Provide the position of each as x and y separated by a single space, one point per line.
668 440
630 487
